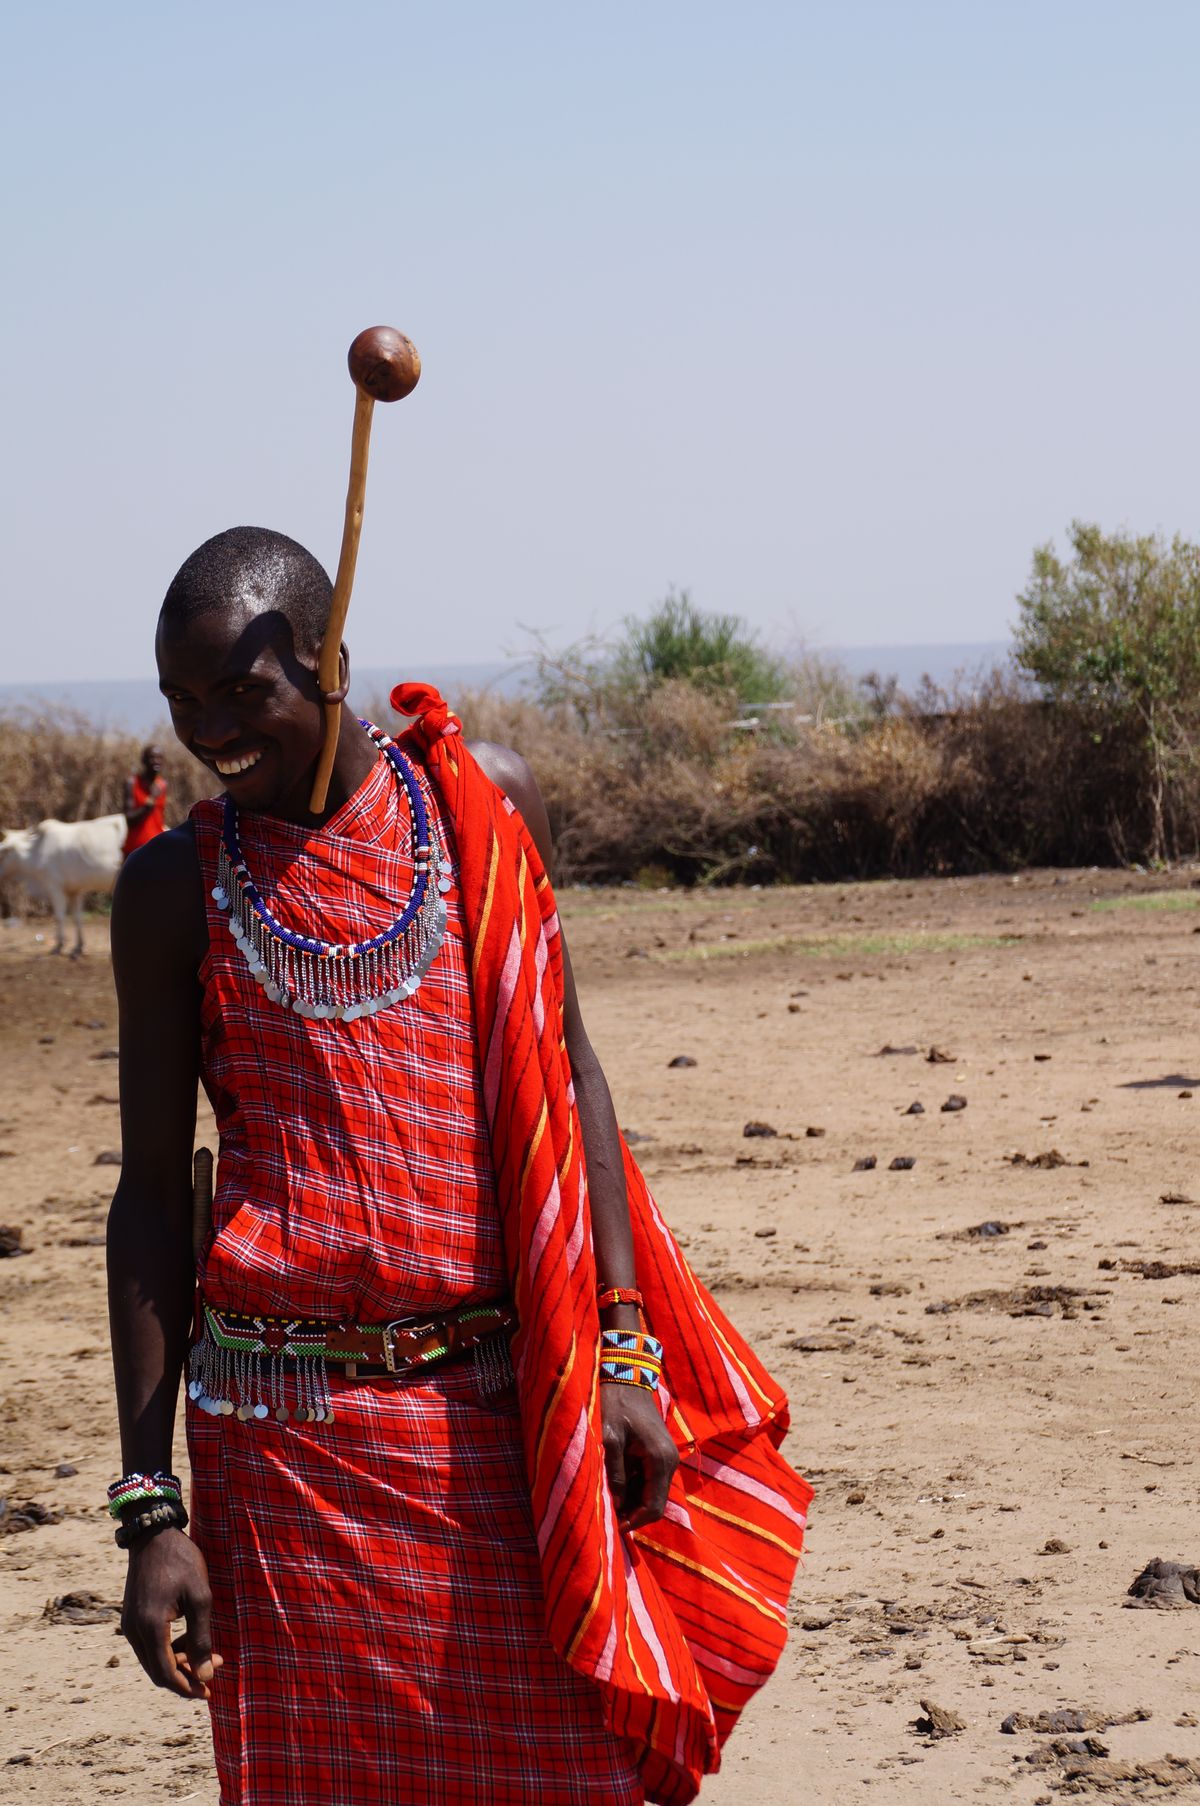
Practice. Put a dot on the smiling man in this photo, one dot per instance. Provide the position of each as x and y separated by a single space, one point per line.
440 1549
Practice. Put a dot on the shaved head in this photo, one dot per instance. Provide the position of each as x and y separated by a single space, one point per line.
252 571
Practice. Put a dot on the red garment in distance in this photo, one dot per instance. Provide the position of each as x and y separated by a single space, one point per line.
154 821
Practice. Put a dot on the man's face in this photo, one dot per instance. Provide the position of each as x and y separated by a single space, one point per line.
245 703
152 761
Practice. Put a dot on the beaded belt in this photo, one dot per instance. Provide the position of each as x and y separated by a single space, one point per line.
258 1366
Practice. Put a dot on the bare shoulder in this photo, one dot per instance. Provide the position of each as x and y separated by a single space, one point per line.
514 775
158 903
504 765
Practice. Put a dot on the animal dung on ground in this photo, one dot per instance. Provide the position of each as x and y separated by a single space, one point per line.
986 1232
1017 1301
813 1133
1166 1586
866 1164
1042 1058
1044 1162
1175 1197
1065 1719
937 1056
938 1721
887 1051
80 1608
914 1109
903 1163
954 1102
1054 1545
110 1157
11 1239
27 1516
821 1344
1162 1269
680 1060
759 1129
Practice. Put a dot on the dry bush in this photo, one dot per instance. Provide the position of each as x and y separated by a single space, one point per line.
670 791
56 763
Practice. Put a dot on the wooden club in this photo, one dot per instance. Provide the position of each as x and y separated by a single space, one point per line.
385 367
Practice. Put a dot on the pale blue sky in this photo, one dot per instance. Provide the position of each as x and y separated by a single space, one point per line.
827 312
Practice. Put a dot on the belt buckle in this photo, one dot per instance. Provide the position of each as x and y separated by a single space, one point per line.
389 1353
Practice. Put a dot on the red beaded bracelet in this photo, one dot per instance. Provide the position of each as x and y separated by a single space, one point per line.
610 1295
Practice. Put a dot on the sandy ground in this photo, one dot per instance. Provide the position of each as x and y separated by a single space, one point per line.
988 1483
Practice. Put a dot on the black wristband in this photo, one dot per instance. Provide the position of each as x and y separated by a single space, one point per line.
167 1516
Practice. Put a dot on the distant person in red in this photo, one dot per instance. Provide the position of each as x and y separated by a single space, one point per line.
145 800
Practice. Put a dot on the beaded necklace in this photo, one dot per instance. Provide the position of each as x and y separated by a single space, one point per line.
321 980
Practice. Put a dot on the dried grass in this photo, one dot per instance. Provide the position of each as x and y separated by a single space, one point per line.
668 791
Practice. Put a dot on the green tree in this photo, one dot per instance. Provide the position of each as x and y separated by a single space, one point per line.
712 651
1115 630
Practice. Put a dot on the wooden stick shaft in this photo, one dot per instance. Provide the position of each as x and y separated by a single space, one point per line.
343 583
202 1195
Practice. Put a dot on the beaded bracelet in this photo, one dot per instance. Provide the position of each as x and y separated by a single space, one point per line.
167 1516
610 1295
629 1357
130 1489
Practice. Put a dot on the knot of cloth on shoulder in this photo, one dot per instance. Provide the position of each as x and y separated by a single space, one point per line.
432 719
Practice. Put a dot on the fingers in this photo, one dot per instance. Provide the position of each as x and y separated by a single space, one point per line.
657 1458
198 1639
167 1580
658 1468
152 1645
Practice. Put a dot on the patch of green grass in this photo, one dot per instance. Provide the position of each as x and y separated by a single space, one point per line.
831 945
1151 899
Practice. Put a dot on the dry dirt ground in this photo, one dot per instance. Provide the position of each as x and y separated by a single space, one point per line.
1000 1427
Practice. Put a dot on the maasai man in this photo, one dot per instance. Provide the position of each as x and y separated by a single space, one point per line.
454 1538
145 801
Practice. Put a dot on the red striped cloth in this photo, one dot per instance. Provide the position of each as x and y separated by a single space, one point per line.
680 1623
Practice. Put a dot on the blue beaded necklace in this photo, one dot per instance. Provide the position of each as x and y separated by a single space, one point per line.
324 980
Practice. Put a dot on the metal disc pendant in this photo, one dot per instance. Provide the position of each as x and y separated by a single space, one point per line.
260 1411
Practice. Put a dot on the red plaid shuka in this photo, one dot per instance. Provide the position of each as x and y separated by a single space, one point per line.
377 1590
680 1623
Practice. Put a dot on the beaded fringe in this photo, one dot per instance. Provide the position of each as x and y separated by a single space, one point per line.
342 984
233 1382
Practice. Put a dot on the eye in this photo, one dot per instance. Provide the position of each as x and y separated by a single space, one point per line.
244 689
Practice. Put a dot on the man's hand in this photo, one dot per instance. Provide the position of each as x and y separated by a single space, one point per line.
639 1454
168 1579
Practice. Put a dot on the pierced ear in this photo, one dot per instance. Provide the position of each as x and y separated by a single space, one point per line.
343 683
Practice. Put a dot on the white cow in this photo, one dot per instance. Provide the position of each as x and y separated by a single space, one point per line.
62 862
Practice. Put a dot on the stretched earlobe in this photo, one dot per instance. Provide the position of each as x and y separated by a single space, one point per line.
343 683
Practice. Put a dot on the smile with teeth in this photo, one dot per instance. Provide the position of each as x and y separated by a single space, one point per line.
229 768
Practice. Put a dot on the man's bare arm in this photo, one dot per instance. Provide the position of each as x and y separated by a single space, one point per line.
158 939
